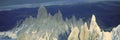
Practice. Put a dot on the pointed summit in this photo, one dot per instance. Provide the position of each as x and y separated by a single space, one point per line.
74 34
84 32
58 15
73 19
94 25
93 18
42 12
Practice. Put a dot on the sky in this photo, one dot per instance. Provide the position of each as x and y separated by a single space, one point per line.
16 2
13 4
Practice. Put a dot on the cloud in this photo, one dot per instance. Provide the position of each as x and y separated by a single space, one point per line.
33 5
47 3
11 7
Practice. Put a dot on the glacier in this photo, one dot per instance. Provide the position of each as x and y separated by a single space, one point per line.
48 27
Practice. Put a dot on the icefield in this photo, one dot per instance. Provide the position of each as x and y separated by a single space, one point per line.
48 27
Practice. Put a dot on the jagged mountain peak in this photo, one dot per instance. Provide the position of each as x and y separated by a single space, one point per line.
42 12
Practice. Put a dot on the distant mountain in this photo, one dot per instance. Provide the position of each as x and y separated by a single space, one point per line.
52 27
